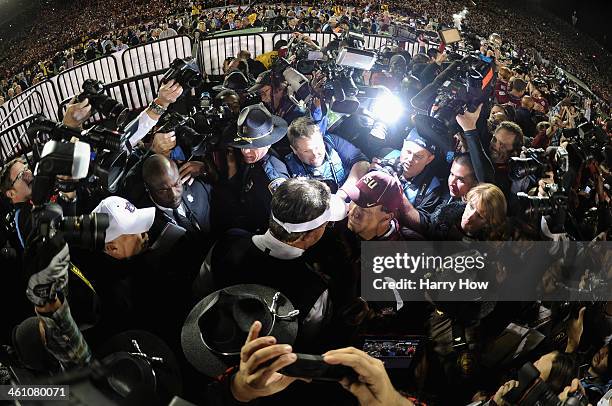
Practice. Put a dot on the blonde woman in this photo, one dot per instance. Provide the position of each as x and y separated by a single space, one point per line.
480 216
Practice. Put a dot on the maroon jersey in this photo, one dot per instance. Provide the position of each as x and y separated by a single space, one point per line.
513 100
501 92
542 102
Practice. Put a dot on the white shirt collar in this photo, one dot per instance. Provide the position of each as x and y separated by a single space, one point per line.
391 230
169 211
276 248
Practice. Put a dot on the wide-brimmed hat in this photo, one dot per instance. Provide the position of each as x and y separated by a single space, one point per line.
141 366
256 128
236 81
217 327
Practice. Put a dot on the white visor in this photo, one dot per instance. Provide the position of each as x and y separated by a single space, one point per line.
336 211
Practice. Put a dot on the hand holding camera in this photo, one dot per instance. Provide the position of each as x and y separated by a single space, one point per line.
373 386
163 143
468 119
48 267
168 93
77 112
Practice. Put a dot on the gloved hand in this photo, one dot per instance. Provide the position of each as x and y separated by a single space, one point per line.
48 269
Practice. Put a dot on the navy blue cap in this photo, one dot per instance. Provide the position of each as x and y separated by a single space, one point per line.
423 142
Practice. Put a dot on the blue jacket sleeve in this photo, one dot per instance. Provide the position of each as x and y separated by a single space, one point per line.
319 116
349 154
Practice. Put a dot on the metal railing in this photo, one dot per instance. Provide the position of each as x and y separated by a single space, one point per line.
212 52
13 141
378 41
322 38
133 77
154 55
2 113
44 103
105 69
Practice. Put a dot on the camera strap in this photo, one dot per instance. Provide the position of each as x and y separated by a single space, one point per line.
21 241
79 274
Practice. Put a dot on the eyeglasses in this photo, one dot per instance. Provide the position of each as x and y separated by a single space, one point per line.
20 174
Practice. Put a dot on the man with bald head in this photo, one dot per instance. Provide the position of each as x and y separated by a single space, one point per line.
524 117
186 206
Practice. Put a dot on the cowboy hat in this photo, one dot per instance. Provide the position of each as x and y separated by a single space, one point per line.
217 327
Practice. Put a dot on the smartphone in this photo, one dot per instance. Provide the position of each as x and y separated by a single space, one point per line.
395 353
313 367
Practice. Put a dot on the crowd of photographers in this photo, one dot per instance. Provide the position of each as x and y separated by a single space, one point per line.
224 223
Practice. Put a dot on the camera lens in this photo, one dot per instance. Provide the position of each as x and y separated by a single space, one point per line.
192 78
87 231
110 108
520 168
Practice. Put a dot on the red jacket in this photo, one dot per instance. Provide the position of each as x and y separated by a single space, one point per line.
501 92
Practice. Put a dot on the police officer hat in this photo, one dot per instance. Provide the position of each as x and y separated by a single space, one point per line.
256 128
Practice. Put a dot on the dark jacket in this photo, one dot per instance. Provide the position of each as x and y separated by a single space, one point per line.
483 168
196 202
444 223
244 200
131 289
236 259
525 121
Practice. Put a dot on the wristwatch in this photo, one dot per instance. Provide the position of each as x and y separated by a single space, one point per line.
67 199
156 108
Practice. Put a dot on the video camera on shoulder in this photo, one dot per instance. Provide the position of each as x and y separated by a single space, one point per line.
462 86
108 148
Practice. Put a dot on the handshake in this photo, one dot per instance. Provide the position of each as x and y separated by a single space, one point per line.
267 368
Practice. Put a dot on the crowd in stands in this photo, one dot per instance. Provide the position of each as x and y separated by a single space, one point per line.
63 35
